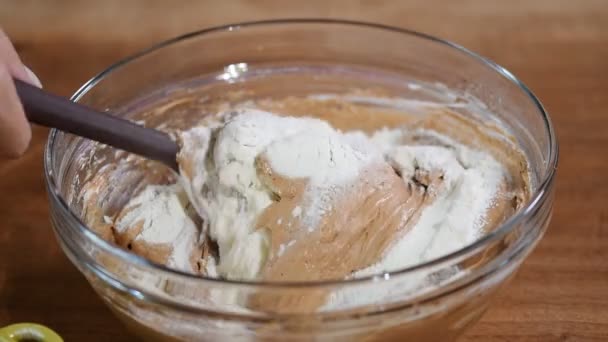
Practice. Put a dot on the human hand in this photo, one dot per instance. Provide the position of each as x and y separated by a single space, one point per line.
15 131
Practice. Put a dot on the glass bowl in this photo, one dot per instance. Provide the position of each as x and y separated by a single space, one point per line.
300 57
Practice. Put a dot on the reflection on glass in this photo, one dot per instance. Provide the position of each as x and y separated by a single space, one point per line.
233 72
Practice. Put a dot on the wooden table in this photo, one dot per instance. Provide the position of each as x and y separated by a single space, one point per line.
558 47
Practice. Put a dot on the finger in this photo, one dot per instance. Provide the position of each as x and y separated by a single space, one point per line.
15 131
34 79
11 59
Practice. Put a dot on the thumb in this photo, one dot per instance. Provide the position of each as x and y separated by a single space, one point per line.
15 131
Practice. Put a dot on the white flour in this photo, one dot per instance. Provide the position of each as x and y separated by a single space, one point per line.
162 209
453 220
471 182
229 194
326 159
227 191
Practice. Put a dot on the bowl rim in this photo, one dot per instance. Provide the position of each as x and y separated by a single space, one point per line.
536 199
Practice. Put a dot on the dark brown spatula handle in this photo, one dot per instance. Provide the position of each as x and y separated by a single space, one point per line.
57 112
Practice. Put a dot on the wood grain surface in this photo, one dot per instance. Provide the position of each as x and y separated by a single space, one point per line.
558 47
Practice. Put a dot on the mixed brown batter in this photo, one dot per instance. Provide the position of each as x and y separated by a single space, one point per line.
378 209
